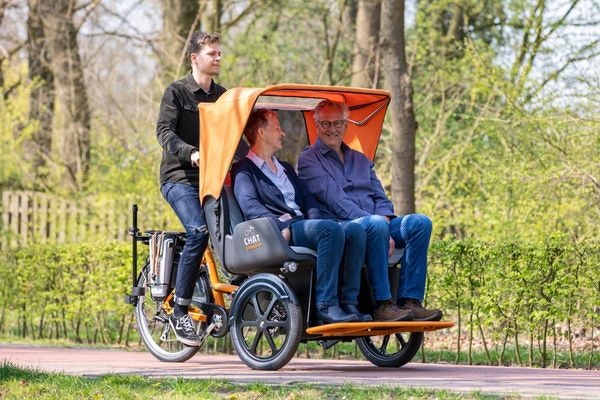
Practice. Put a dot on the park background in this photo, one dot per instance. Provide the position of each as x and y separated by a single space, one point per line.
493 132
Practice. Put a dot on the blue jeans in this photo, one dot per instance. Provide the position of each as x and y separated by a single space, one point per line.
186 204
354 256
327 238
378 239
413 232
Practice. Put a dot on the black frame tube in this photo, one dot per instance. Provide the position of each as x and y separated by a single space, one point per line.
134 239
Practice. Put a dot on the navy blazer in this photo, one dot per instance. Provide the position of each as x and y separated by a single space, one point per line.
258 196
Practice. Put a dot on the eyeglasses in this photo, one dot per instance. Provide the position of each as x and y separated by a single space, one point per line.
338 123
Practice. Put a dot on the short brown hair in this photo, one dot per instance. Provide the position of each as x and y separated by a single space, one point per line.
200 39
257 119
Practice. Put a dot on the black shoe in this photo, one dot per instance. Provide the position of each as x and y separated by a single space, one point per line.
352 309
420 312
333 314
184 330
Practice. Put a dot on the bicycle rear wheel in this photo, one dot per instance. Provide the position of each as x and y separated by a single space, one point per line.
391 351
153 326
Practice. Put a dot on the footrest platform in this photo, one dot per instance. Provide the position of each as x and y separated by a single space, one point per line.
377 328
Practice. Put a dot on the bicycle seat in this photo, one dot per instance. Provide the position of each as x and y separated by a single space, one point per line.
249 247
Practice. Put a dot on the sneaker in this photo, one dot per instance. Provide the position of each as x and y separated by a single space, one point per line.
420 312
388 311
184 330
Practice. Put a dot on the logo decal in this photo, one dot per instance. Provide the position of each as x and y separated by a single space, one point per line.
251 239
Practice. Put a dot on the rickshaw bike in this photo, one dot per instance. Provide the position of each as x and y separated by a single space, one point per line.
253 285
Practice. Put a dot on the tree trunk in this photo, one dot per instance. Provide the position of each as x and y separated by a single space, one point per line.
180 19
211 13
42 99
3 6
61 41
365 66
404 125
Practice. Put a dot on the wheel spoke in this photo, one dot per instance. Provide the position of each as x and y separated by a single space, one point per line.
248 323
384 344
269 308
272 345
401 339
255 304
252 320
256 341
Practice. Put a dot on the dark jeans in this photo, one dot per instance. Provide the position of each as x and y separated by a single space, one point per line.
186 204
354 257
327 238
378 236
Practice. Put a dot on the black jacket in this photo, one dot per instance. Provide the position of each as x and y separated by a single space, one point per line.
178 128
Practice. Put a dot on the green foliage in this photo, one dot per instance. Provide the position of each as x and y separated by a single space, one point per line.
121 166
125 172
532 296
504 293
73 291
492 163
15 128
293 41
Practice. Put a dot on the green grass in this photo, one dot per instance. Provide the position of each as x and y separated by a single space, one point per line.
18 384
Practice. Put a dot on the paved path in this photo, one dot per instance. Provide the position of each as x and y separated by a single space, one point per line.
526 382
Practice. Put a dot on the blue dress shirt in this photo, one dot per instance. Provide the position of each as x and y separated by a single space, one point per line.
344 191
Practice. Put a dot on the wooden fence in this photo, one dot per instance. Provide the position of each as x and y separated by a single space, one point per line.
35 217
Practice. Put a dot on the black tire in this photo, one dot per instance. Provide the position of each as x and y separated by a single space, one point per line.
390 351
266 325
154 329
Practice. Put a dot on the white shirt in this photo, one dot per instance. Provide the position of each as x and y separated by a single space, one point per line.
279 179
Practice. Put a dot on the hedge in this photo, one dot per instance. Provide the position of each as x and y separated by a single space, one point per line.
67 291
529 297
526 298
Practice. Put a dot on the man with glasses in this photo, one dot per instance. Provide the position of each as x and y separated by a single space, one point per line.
345 184
177 131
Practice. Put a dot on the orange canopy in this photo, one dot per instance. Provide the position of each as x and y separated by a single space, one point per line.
222 123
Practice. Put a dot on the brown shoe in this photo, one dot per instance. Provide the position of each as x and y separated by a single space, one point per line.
388 311
420 312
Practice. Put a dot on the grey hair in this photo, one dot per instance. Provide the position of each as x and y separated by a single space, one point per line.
337 105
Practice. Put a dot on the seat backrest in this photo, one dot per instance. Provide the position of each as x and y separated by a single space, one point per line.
222 215
232 215
247 247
